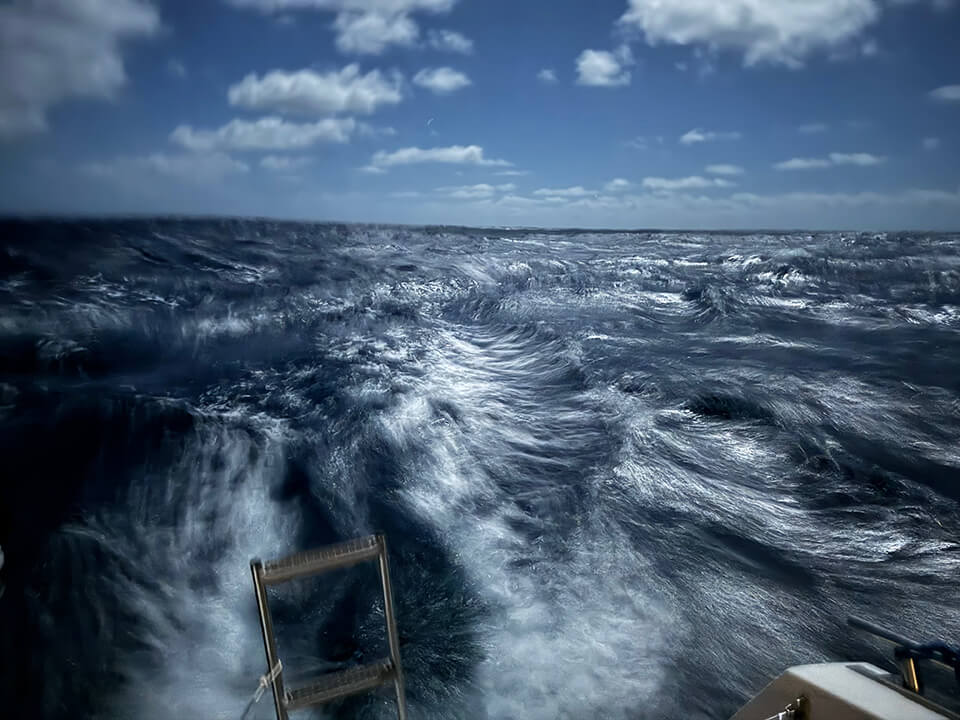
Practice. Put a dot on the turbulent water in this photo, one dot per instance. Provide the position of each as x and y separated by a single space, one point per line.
628 475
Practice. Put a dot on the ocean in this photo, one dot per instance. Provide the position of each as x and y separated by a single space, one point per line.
621 474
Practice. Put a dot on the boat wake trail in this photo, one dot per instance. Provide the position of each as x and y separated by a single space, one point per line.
625 475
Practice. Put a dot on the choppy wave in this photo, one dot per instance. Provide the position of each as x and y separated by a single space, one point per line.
622 474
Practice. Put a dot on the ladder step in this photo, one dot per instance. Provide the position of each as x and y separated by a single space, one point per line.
313 562
341 684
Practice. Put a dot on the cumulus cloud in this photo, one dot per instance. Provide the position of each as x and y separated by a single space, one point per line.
947 93
52 50
269 133
453 155
861 159
798 163
284 163
310 92
363 26
724 170
812 128
547 76
763 31
370 33
694 182
450 41
602 68
199 168
700 136
442 80
930 143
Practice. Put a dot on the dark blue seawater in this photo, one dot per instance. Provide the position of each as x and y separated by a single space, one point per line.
629 475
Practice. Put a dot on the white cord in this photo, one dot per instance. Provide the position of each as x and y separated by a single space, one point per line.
265 681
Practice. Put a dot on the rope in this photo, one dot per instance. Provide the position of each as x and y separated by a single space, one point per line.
785 715
265 682
790 712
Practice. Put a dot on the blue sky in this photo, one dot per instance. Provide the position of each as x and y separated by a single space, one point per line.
589 113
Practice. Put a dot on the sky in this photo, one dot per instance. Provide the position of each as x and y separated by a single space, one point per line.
818 114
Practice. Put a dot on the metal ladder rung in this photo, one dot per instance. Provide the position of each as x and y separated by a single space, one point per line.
334 686
313 562
340 684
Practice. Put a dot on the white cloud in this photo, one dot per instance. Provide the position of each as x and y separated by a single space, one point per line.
52 50
199 168
812 128
370 33
694 182
601 68
802 164
862 159
367 130
442 80
947 93
570 192
512 173
450 41
476 192
269 133
363 26
547 76
698 136
284 163
176 68
772 31
310 92
930 143
724 169
617 185
453 155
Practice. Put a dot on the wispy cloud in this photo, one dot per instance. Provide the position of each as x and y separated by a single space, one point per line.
861 159
569 192
176 68
269 133
194 168
284 163
694 182
547 76
930 143
799 163
476 192
697 135
947 93
724 170
617 185
450 41
812 128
